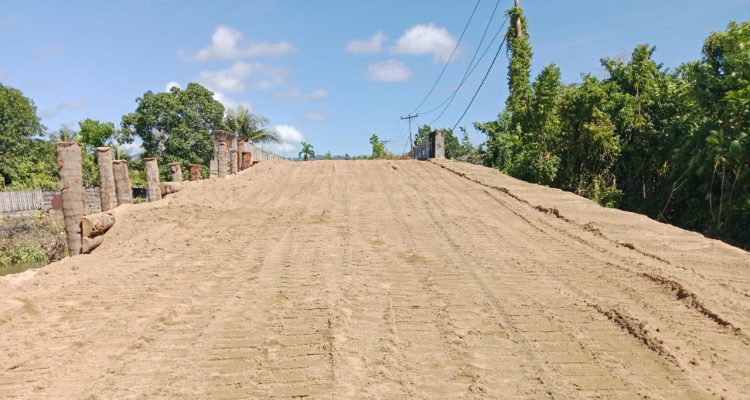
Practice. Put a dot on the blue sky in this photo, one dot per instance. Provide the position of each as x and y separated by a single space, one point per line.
330 72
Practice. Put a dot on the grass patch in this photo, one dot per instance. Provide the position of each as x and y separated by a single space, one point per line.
28 239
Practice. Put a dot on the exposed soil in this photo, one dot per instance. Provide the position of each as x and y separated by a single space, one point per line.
381 279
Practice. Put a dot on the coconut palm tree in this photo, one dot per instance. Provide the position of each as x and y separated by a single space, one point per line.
307 151
249 127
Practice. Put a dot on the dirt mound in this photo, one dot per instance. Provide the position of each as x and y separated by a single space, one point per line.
392 279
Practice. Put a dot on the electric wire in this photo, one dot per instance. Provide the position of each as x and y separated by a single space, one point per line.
480 84
449 58
471 66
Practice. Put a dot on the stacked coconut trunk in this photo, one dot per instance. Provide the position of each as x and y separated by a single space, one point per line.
85 232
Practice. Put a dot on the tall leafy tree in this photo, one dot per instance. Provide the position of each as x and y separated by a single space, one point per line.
26 159
176 125
711 189
95 133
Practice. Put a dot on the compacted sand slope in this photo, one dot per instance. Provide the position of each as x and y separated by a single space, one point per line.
381 279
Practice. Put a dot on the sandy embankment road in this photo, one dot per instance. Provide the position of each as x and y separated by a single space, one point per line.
381 279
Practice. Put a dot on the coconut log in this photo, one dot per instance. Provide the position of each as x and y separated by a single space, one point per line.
107 191
233 161
89 244
247 159
170 187
240 150
70 168
176 169
196 172
96 224
152 179
222 162
123 187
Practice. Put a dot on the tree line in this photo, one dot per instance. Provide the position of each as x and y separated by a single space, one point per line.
669 143
173 126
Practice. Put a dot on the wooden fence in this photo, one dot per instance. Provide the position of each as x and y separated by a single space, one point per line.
22 200
32 200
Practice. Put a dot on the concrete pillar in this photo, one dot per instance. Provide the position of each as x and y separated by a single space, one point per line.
176 171
438 144
123 187
152 179
196 172
221 161
70 169
107 191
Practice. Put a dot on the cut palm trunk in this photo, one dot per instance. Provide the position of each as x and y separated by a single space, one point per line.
176 170
152 179
170 187
70 168
223 163
123 187
196 172
240 150
247 159
96 224
88 244
233 161
107 191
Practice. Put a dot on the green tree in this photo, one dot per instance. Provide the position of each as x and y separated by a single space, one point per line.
378 147
711 175
175 125
95 134
307 151
26 159
248 126
519 66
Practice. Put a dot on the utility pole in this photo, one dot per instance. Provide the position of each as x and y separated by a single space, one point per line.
519 28
411 142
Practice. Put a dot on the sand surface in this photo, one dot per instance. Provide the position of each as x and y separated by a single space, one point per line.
381 279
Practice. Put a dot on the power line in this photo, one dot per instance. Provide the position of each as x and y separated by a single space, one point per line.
473 68
480 84
470 68
449 58
410 117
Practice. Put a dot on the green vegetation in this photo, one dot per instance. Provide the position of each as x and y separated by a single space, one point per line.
30 239
378 148
672 144
249 127
176 125
307 151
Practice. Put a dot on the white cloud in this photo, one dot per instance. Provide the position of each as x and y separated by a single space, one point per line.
172 84
230 102
367 46
426 39
289 139
388 71
315 117
70 105
227 43
297 95
233 78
